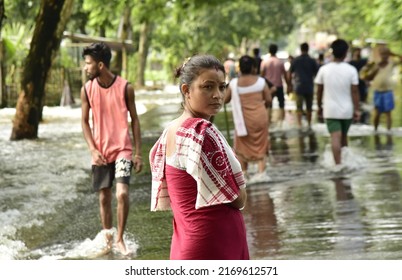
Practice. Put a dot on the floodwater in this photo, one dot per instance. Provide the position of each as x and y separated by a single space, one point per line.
305 211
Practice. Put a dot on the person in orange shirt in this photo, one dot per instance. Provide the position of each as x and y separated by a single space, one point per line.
111 100
273 70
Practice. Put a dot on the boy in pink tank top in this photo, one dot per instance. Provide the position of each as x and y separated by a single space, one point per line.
110 98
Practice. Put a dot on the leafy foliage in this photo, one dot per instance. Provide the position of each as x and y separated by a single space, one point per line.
21 11
354 19
181 28
104 16
219 27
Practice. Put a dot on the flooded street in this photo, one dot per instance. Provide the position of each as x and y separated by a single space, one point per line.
312 213
306 211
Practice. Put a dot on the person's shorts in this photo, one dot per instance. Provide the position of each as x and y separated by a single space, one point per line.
281 97
384 101
308 98
335 125
104 175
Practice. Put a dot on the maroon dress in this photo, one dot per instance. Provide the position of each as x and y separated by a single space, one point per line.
198 183
210 233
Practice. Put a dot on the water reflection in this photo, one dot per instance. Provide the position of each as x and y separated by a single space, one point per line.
350 239
279 148
263 237
383 142
312 213
306 212
308 146
380 196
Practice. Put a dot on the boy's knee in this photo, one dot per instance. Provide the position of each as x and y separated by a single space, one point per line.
122 194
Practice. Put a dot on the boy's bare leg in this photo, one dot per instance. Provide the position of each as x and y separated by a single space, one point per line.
376 119
122 214
336 139
105 209
308 116
389 120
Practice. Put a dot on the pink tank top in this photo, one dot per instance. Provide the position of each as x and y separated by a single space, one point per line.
110 128
274 70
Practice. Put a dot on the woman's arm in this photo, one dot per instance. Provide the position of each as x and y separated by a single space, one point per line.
267 96
240 201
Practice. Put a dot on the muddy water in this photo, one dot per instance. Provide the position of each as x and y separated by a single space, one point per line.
305 210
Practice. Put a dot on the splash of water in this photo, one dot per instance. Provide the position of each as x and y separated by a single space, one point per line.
9 249
351 160
97 248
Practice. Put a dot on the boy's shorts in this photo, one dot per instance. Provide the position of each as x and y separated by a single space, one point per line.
384 101
335 125
103 175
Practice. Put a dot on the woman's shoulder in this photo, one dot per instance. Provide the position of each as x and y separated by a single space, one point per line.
260 80
195 132
198 125
252 84
233 81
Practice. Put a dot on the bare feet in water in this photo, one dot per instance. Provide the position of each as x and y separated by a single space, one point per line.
109 245
109 241
121 247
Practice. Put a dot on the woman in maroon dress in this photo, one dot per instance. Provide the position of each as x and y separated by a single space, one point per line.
196 174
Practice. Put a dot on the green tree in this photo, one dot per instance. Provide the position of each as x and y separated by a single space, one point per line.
79 18
147 14
16 21
386 19
49 27
3 96
103 16
218 27
21 11
353 20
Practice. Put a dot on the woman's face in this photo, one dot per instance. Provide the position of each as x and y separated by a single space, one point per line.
204 97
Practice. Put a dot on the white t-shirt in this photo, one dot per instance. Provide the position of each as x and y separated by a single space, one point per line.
337 79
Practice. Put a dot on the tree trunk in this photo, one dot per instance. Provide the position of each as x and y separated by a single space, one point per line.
3 93
146 29
2 16
124 33
49 27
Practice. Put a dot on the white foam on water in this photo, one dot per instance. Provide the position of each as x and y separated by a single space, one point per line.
30 211
38 176
9 248
96 248
358 130
351 159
